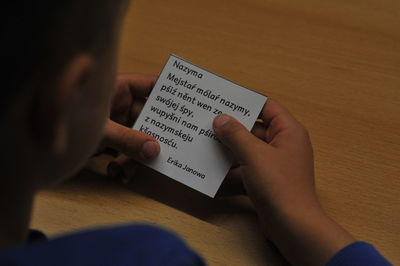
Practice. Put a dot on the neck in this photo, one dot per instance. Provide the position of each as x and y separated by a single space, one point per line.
15 208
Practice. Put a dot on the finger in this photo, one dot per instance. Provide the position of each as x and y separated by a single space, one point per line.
122 168
114 169
140 85
122 101
236 137
136 109
131 114
259 130
282 127
130 88
272 110
129 168
133 143
129 171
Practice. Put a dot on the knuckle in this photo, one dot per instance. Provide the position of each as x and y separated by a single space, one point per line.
304 132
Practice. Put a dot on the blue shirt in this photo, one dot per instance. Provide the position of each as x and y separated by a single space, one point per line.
139 245
117 246
358 254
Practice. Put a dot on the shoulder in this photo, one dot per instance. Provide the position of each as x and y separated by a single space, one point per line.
122 245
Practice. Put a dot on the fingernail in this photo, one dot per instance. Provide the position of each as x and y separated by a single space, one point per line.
150 149
220 120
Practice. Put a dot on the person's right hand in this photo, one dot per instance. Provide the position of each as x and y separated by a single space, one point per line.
277 169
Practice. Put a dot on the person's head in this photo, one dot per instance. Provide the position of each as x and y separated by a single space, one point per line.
58 63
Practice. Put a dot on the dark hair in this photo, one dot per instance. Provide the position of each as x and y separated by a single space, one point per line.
38 38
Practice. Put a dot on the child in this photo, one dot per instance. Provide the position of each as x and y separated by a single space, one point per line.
59 70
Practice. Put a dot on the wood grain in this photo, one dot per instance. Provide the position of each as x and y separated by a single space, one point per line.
334 64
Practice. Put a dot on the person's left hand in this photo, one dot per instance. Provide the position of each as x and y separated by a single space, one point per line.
131 93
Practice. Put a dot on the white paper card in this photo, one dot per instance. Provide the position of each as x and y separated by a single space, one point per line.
179 114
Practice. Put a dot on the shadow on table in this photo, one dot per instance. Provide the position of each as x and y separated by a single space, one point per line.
158 187
226 212
168 191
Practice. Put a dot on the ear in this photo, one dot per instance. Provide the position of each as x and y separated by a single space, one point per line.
73 78
70 84
50 107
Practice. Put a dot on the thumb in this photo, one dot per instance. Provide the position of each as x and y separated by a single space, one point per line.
236 137
135 144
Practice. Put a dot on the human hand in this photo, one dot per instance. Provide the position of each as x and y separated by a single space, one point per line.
130 95
277 170
275 162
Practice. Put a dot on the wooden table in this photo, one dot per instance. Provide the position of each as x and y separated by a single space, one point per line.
334 64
